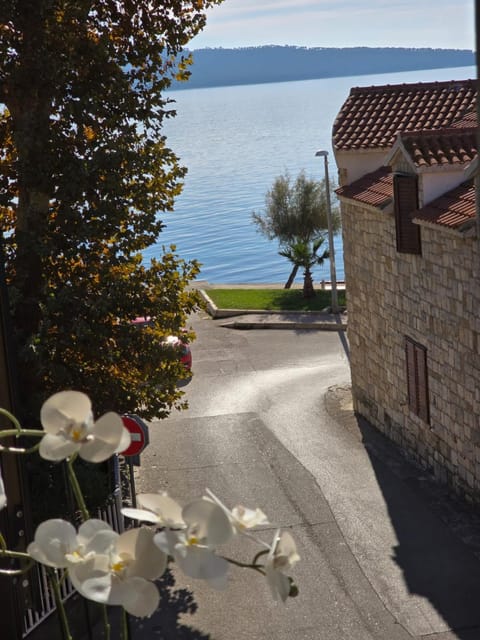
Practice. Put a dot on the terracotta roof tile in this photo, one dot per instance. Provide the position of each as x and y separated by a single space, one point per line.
434 148
453 209
468 120
371 117
375 188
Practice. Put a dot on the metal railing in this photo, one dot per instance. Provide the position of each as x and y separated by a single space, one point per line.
43 604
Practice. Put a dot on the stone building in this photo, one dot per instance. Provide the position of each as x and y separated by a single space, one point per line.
406 156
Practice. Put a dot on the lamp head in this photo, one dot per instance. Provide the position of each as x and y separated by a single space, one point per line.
322 153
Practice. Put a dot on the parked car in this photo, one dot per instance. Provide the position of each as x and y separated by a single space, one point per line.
183 348
172 341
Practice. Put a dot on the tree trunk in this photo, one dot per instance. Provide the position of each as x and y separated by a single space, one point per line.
308 290
291 277
29 103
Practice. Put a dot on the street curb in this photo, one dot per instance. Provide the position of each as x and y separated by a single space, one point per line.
215 312
319 326
290 320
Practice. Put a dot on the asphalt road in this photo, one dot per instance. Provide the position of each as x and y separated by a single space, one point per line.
260 430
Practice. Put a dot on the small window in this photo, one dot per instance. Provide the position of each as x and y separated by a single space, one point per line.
417 379
405 194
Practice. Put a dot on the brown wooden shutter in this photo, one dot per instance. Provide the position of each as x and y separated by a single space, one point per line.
422 382
411 375
417 379
405 193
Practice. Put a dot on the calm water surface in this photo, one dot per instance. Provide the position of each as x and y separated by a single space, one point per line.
235 141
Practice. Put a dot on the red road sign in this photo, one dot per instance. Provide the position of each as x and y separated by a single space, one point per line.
139 435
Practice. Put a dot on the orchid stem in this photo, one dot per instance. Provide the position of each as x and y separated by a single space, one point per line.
20 450
20 555
106 622
125 627
77 490
259 555
17 432
244 565
35 433
12 419
59 604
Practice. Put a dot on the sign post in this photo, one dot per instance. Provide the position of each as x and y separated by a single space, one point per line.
139 440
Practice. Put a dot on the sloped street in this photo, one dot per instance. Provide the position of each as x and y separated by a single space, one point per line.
270 424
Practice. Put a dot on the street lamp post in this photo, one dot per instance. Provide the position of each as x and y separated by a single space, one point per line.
331 248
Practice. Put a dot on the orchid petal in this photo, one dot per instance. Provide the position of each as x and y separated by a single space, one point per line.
248 518
57 447
166 541
241 517
210 521
285 554
167 509
279 584
203 564
93 585
102 542
108 431
140 514
64 407
53 540
125 441
90 528
149 561
141 598
282 555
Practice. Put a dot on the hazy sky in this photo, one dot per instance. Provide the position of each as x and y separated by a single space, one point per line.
340 23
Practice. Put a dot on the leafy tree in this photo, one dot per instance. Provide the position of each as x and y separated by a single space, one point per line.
296 215
85 172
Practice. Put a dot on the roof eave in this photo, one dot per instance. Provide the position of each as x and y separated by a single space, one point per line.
460 167
385 207
361 150
465 230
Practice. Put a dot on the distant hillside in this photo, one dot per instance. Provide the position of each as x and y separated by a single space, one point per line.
254 65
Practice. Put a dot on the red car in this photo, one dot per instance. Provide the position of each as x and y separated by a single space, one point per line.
183 348
173 341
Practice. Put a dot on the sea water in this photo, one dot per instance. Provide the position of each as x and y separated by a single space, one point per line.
235 141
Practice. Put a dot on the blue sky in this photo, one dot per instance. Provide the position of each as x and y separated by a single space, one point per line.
340 23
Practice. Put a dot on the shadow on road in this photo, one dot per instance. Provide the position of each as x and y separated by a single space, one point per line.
343 339
165 623
436 564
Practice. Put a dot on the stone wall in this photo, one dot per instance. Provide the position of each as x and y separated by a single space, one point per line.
433 299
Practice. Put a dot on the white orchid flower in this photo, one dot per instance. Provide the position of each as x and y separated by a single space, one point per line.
3 495
193 548
245 518
57 544
241 518
157 508
67 420
281 557
123 575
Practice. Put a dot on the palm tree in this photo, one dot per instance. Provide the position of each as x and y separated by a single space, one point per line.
305 255
296 215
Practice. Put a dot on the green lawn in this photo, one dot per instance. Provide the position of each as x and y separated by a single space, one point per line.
272 299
